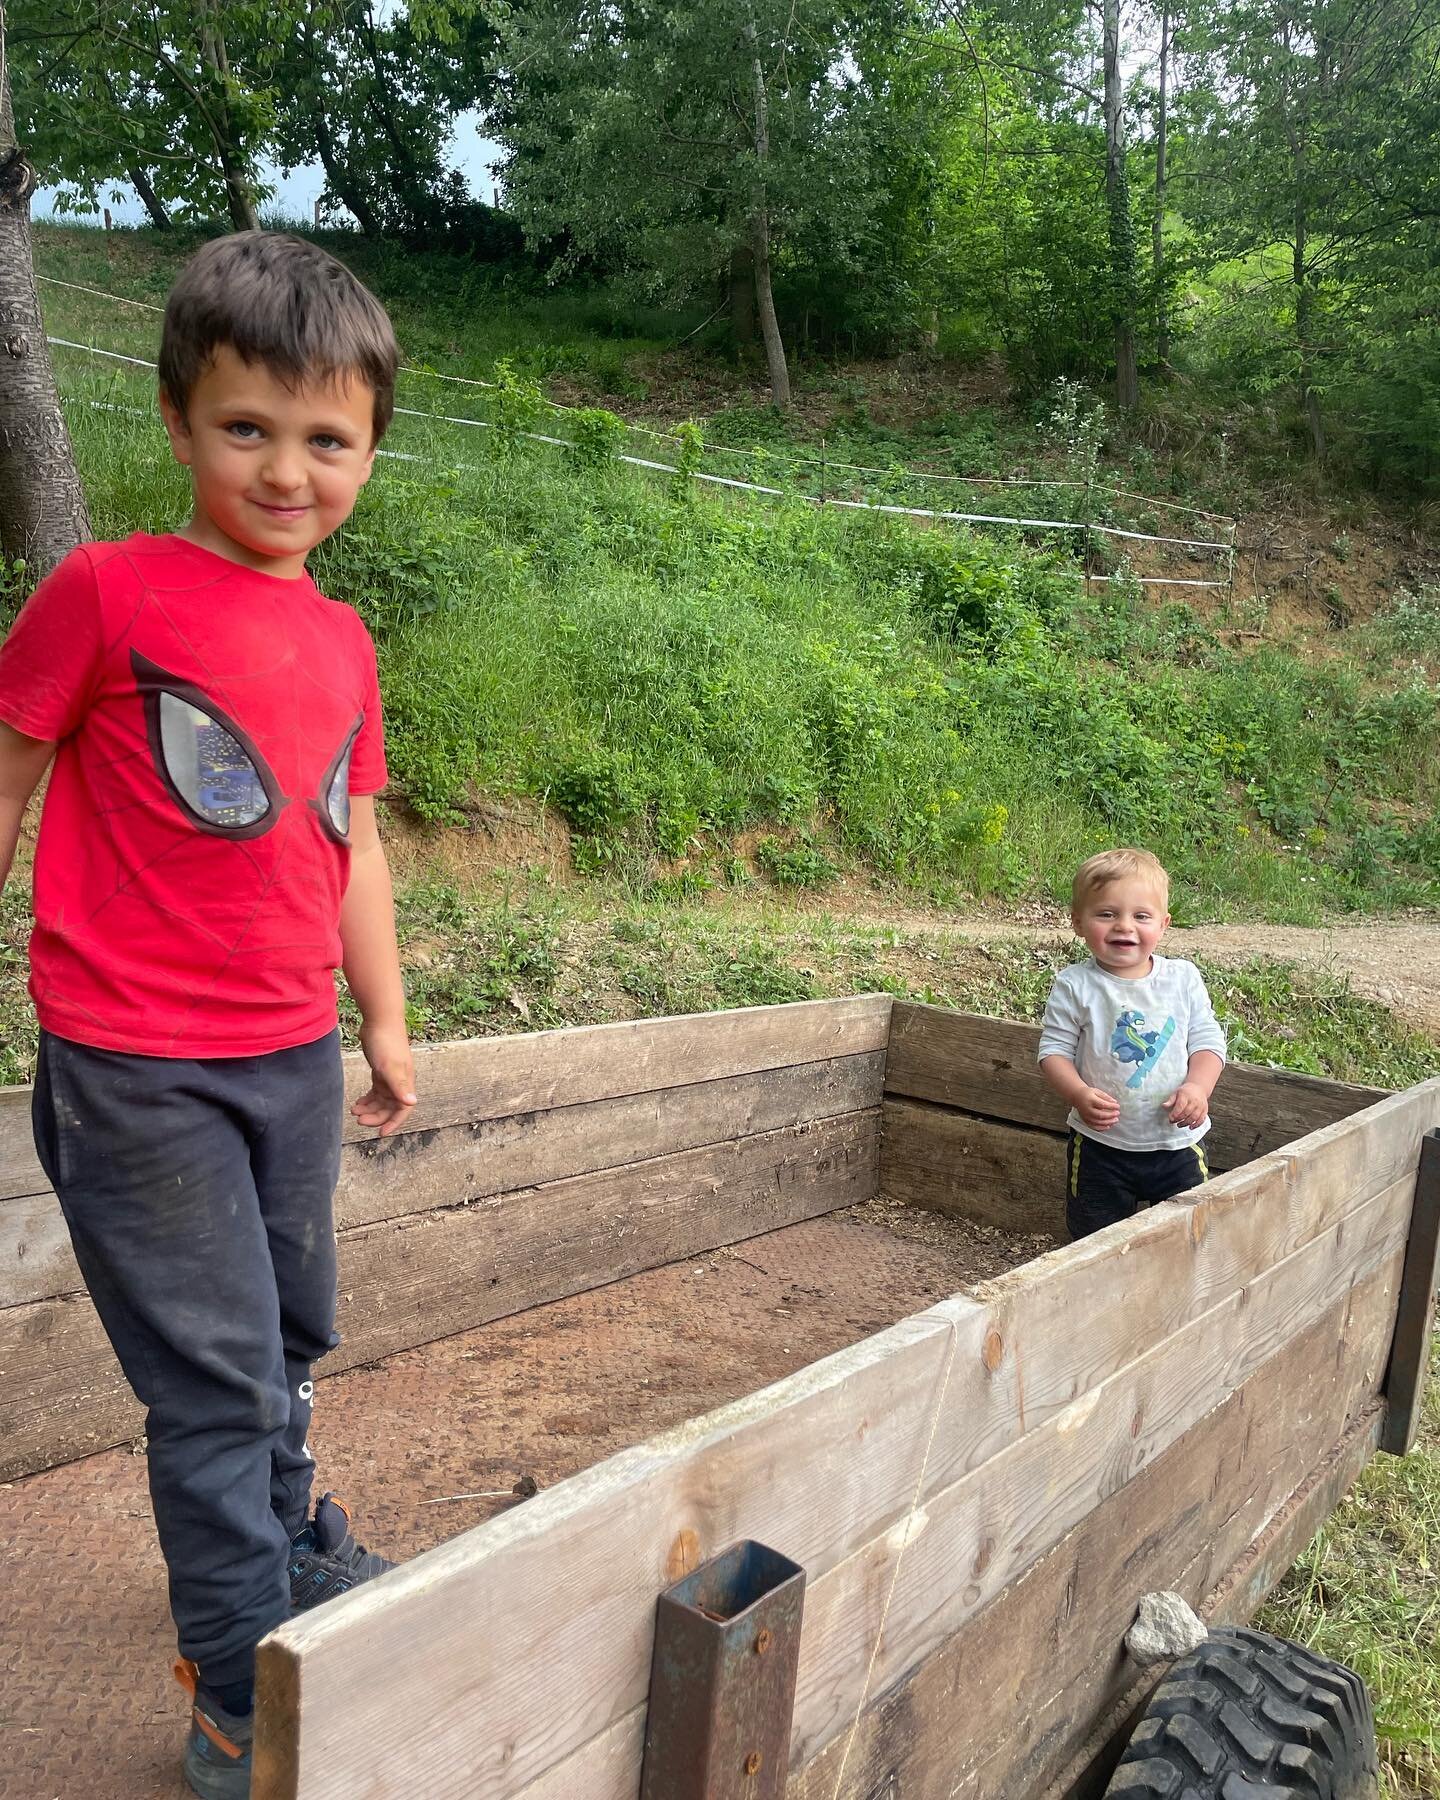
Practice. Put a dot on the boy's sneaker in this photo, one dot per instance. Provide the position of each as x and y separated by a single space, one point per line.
325 1560
217 1757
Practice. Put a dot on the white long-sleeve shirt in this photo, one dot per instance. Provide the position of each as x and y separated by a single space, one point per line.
1133 1039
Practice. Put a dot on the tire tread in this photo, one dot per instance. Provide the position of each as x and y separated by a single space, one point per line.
1251 1717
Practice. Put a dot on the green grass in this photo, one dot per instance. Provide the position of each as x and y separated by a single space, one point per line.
672 671
672 668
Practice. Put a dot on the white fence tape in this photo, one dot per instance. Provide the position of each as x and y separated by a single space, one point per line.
755 487
821 461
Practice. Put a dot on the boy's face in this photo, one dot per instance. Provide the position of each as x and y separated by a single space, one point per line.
274 471
1121 924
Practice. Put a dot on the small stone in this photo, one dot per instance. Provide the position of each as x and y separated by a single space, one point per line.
1167 1626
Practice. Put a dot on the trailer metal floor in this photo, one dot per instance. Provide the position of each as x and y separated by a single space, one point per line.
87 1707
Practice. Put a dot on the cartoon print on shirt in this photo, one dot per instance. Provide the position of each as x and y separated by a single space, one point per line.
1131 1043
214 770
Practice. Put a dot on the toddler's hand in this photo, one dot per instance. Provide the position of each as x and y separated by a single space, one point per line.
390 1098
1188 1105
1098 1109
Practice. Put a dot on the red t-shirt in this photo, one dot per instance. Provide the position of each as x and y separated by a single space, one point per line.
212 724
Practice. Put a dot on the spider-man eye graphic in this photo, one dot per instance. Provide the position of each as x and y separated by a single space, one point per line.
333 804
214 770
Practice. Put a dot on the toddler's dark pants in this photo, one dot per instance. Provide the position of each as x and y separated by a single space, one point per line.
1104 1184
198 1196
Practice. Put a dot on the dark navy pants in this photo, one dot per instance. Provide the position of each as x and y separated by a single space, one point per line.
1104 1184
198 1196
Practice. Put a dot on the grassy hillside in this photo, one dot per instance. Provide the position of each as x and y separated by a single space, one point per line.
673 667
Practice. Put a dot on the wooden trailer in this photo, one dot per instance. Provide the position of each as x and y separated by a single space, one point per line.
978 1493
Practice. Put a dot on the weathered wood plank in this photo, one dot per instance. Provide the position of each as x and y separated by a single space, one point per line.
36 1261
991 1525
1006 1698
438 1273
951 1162
988 1066
490 1078
810 1466
410 1281
968 1544
415 1171
1410 1356
20 1171
607 1535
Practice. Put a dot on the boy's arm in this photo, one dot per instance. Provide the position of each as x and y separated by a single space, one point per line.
1190 1103
372 968
23 760
1098 1109
1059 1041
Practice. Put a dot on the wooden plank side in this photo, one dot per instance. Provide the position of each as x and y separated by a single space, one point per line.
822 1488
1410 1354
20 1171
407 1282
490 1078
951 1162
36 1261
1008 1696
986 1529
605 1537
988 1066
1143 1280
415 1171
890 1606
438 1273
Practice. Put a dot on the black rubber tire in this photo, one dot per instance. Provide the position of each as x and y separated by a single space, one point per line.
1252 1717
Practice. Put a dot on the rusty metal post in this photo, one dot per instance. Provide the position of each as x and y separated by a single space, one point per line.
1404 1387
722 1679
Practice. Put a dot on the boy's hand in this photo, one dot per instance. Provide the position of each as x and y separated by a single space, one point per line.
1188 1105
1098 1109
391 1096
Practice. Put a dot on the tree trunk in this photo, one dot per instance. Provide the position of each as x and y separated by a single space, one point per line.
1304 324
760 239
135 171
769 324
346 191
1162 304
151 201
1122 230
42 505
414 195
239 198
742 296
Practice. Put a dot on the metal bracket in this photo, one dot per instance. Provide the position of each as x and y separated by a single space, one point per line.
1404 1386
722 1679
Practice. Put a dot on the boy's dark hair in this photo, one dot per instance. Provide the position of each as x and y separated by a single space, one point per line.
277 300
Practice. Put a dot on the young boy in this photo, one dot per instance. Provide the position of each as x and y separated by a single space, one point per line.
1131 1041
207 856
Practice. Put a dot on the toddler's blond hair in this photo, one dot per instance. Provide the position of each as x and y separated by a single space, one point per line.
1099 871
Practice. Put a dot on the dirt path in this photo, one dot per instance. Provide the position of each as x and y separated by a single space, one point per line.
1398 965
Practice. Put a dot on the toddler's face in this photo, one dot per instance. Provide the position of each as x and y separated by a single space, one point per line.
1121 924
275 471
